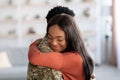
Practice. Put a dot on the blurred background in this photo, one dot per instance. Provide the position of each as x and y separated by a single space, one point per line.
23 21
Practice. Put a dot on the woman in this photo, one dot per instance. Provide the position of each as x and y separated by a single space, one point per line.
69 56
44 73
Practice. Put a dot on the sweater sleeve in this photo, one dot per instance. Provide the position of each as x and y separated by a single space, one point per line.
51 59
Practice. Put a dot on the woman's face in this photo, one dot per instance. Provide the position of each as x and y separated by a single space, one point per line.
56 38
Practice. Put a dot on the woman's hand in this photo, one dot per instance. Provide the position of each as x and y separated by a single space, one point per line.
92 77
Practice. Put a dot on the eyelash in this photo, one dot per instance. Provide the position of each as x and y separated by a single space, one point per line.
57 40
60 40
50 38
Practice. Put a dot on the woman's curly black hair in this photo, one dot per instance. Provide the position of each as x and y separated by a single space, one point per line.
59 10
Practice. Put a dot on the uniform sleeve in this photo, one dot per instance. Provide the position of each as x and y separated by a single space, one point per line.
51 59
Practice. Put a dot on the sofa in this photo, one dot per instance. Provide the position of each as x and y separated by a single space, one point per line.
13 63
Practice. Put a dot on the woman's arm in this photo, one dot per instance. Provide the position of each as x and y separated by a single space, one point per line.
52 59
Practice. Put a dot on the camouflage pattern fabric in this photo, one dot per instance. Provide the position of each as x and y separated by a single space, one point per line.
40 72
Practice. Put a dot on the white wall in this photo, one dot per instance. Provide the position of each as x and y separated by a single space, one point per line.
117 28
106 24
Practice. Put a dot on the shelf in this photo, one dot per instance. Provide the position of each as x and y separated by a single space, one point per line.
8 36
88 1
37 5
89 32
33 21
33 36
85 19
7 6
4 21
81 3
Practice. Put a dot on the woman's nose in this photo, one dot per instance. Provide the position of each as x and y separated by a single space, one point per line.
54 42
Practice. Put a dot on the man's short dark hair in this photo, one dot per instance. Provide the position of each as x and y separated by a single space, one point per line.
59 10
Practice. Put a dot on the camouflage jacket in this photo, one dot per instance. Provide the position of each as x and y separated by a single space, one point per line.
40 72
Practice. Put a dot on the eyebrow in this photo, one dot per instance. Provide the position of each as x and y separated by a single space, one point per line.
56 36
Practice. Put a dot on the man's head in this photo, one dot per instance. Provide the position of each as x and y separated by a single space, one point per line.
59 10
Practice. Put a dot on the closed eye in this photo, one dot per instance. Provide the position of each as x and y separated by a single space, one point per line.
60 40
